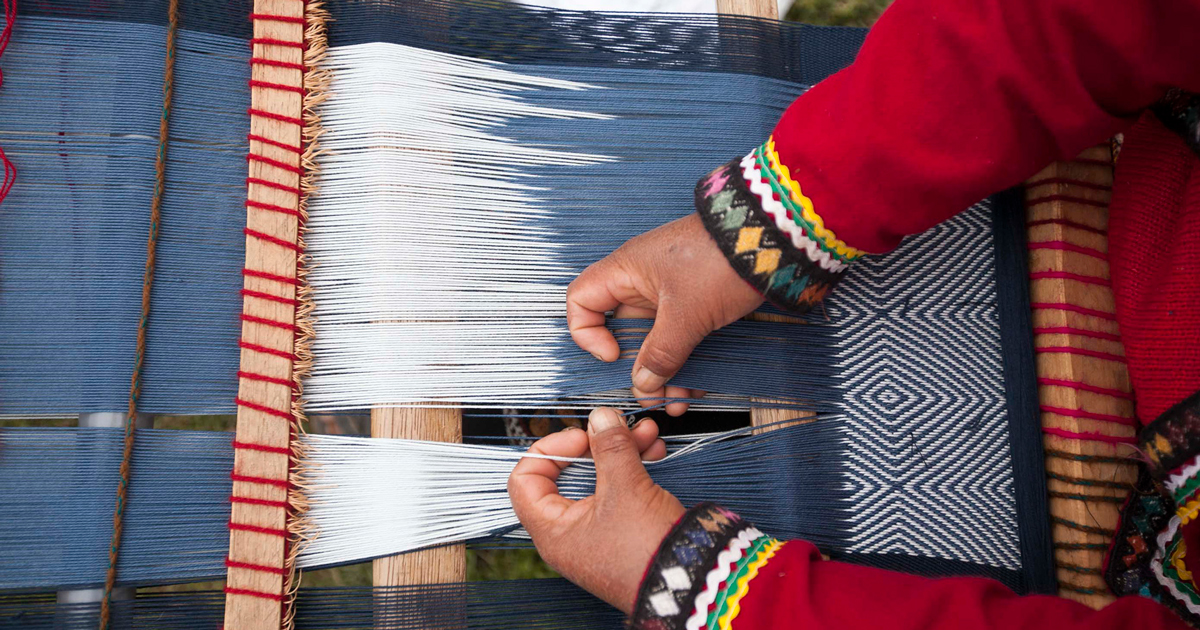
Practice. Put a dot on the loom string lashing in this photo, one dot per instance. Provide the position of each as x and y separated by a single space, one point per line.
135 385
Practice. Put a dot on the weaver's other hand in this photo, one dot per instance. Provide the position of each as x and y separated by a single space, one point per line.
675 274
603 542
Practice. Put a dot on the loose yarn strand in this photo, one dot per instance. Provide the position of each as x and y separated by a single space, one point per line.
135 386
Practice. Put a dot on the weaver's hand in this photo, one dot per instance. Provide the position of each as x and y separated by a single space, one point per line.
604 542
675 274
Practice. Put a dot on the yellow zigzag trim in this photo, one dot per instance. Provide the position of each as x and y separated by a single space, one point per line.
806 204
1189 511
734 602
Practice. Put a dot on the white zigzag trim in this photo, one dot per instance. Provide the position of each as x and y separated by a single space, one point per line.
725 562
776 211
1156 565
1186 472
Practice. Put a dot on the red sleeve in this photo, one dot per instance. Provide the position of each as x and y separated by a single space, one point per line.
795 589
950 101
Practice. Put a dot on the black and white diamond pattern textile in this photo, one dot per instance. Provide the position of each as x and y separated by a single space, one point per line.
927 424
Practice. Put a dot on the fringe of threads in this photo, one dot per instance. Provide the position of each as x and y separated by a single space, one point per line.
316 85
135 385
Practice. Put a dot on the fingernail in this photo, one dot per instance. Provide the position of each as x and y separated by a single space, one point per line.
598 357
646 380
603 419
637 424
571 428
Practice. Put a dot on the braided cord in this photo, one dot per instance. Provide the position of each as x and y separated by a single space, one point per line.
135 385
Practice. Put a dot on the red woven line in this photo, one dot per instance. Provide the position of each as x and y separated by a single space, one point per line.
1080 200
282 533
271 411
268 296
249 501
262 236
278 64
277 86
277 18
1082 352
262 113
270 276
233 564
281 450
1067 330
1079 413
275 143
1089 437
295 190
268 41
265 350
279 483
1092 161
1068 223
1066 275
245 591
1068 181
264 378
1070 247
1059 306
273 208
276 163
1115 393
269 322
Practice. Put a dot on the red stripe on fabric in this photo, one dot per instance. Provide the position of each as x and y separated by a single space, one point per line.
1066 275
1070 247
271 411
233 564
1060 306
264 502
1079 413
262 236
277 18
262 113
269 322
264 378
278 64
282 533
295 190
276 86
265 350
268 296
1067 223
1067 330
1089 437
1068 181
279 450
270 41
275 143
1115 393
270 276
245 591
253 157
1082 352
279 483
270 207
1072 199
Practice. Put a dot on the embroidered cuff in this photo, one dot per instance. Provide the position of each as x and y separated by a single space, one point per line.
701 572
769 231
1156 551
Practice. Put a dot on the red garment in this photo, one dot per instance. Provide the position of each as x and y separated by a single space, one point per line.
948 102
797 590
1154 251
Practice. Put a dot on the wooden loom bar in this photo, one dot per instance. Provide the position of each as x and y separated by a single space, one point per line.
1059 200
256 579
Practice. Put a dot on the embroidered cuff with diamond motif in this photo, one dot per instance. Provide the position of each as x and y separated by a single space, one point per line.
769 231
701 572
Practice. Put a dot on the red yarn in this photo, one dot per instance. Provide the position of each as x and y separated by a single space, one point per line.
10 169
265 350
279 450
276 18
252 593
272 531
254 376
1067 223
1154 248
1079 413
264 502
233 564
1089 437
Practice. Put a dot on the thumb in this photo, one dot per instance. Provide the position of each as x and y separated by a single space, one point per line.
666 348
618 463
